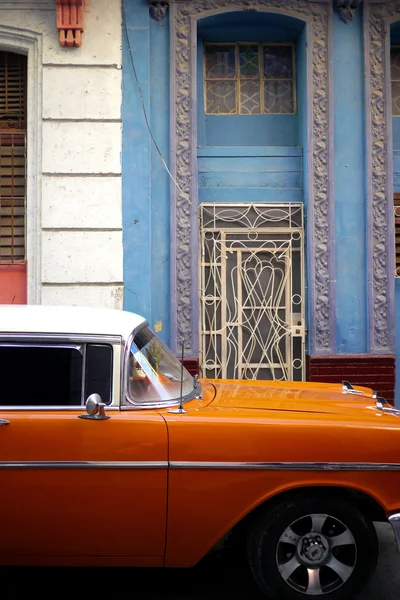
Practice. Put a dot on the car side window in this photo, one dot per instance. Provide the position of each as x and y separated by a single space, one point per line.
98 375
54 375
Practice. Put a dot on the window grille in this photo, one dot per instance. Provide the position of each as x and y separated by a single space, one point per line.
249 78
252 291
397 233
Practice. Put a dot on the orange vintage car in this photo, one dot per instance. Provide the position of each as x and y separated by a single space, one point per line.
111 454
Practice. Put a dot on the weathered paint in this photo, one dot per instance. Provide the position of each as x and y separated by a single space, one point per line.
395 39
246 174
160 182
349 169
145 182
101 296
90 148
396 155
136 161
94 92
13 284
81 256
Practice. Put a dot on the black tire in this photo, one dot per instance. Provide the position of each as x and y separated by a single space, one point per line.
269 554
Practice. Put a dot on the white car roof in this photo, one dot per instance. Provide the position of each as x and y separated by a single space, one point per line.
67 319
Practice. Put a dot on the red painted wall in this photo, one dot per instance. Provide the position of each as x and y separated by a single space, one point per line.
13 279
370 370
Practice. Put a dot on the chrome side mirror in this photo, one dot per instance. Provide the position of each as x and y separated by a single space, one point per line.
95 409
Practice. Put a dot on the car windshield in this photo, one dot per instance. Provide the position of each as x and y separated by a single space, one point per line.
154 372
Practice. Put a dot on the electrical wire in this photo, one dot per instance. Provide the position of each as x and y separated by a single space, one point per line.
143 104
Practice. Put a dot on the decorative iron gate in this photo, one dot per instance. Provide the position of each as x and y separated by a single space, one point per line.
252 291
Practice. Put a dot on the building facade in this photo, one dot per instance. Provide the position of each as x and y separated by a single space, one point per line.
247 209
270 250
60 140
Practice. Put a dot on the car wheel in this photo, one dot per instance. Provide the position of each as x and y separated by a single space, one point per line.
312 546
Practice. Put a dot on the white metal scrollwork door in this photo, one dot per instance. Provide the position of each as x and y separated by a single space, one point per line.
252 291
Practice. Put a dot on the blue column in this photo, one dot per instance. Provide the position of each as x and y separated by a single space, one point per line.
349 186
136 161
145 182
160 182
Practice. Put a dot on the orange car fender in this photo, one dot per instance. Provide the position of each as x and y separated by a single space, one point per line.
204 505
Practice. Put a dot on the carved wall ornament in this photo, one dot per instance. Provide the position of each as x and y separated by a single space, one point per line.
347 9
158 8
69 18
377 17
184 223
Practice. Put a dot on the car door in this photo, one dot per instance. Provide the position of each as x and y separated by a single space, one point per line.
77 490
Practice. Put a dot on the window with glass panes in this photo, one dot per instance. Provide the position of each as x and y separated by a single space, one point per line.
395 79
249 78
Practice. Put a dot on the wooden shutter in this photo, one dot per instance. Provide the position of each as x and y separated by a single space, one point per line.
12 157
397 232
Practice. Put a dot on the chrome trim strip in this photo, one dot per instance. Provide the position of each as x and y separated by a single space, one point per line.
78 408
84 465
89 338
347 388
31 344
384 406
394 520
83 378
286 466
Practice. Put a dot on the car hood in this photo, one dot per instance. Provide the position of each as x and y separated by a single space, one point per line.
304 397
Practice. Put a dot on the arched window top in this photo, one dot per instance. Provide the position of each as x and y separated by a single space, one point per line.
256 26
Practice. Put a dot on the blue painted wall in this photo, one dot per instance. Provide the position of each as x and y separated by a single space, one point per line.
250 174
395 39
145 183
350 191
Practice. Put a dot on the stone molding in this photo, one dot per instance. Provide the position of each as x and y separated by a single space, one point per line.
381 267
347 9
158 9
184 245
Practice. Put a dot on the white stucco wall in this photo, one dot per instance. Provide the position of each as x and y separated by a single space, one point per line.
74 217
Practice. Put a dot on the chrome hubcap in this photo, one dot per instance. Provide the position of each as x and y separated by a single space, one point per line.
313 549
316 554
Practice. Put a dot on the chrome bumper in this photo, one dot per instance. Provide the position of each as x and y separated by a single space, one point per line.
394 520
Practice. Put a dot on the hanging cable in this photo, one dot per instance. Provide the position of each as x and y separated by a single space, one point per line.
143 103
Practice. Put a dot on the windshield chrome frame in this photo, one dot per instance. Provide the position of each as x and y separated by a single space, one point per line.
133 405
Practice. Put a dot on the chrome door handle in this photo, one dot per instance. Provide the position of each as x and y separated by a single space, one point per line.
4 422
